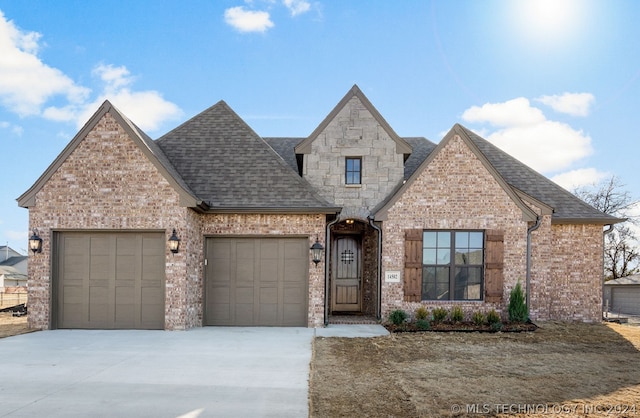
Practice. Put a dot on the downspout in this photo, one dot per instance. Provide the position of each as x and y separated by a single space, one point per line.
327 255
379 284
528 278
604 235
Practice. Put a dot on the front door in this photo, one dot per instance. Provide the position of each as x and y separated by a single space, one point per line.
347 274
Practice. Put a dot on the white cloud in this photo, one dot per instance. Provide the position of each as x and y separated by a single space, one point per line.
525 133
574 179
574 104
510 113
147 109
17 235
247 20
16 129
297 7
26 83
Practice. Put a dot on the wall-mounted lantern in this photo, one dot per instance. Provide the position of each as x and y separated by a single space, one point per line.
316 251
174 242
35 242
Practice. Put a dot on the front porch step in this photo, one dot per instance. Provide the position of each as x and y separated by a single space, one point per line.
353 320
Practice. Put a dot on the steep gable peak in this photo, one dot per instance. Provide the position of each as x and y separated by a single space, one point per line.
402 146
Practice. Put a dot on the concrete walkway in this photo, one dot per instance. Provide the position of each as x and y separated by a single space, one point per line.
203 372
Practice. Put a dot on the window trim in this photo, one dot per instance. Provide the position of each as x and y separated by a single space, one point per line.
347 171
453 266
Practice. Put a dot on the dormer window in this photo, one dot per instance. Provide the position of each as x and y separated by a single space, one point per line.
353 170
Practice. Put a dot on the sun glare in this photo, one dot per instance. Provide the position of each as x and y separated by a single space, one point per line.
549 22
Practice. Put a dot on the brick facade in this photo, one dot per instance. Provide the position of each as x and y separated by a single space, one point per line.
108 183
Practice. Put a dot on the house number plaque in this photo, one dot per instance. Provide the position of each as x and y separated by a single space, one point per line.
392 276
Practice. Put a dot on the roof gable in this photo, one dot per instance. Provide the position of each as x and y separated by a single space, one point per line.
402 146
234 170
457 131
146 145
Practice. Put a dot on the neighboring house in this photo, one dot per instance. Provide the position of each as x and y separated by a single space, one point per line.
18 262
10 277
623 295
404 222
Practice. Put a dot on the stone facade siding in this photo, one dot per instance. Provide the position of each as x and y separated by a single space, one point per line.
454 192
354 133
107 183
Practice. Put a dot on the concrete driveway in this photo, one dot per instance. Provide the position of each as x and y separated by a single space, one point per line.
203 372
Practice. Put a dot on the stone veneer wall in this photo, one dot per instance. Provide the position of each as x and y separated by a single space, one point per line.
107 183
354 133
455 191
276 225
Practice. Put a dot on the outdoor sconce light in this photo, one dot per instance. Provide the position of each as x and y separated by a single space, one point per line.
35 242
349 221
174 242
316 251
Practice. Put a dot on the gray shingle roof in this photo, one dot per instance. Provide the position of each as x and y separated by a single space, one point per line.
230 167
567 207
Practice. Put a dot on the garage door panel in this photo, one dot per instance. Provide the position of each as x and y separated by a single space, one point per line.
247 284
624 299
110 280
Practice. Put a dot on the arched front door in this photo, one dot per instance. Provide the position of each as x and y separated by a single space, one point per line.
346 289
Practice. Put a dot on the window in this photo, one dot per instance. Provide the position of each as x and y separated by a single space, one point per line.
452 265
353 171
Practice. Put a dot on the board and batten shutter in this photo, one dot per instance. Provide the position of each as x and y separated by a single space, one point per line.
494 266
413 265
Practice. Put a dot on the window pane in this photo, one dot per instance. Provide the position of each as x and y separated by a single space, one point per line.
476 239
444 256
462 240
468 283
444 239
356 177
475 257
429 239
429 256
435 283
356 164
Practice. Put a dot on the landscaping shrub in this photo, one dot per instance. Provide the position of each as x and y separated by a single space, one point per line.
478 318
422 313
518 310
496 326
439 314
423 324
456 314
398 316
493 317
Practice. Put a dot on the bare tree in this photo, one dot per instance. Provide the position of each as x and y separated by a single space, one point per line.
621 247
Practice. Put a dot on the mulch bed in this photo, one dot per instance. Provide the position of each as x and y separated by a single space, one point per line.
462 327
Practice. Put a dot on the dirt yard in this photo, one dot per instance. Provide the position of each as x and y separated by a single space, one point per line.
10 325
565 370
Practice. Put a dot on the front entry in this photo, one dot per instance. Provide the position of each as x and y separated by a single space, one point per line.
346 289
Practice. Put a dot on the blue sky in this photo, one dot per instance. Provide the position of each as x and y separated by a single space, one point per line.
554 82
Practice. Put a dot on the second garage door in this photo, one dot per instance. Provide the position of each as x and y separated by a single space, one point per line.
625 299
256 281
110 280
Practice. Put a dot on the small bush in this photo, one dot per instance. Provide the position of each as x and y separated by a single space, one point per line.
478 318
456 314
423 324
518 310
439 314
422 313
398 316
496 326
493 317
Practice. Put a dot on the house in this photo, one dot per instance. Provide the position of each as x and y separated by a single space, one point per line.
403 222
10 277
12 258
622 295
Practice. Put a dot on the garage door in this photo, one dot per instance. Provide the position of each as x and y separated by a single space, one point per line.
625 299
110 280
256 281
